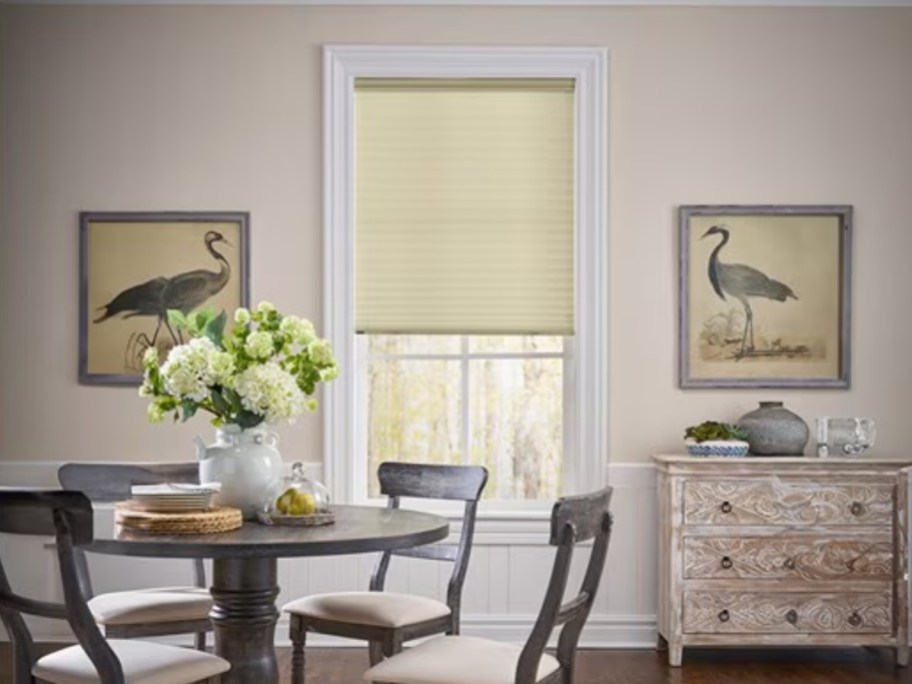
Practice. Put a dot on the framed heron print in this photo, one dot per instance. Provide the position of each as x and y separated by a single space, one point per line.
135 266
764 296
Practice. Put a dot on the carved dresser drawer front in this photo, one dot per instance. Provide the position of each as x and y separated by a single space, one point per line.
707 612
775 501
827 558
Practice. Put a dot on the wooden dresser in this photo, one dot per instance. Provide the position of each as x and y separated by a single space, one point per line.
788 551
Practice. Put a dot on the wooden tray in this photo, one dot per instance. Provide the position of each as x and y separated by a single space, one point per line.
211 521
312 520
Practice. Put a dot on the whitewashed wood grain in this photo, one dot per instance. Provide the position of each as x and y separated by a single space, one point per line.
786 613
803 558
831 519
783 500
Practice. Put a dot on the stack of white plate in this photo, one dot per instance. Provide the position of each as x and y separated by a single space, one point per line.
172 497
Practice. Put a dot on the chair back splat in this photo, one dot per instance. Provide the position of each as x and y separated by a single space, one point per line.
454 483
67 516
574 519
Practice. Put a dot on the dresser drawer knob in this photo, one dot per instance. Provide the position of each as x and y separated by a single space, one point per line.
857 508
726 507
726 563
792 616
724 616
789 564
855 619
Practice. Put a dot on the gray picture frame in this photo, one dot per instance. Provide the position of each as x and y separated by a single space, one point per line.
160 246
741 364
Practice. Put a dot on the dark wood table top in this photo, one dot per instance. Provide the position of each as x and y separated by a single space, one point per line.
357 529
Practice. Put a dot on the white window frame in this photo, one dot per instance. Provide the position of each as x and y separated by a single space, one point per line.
588 67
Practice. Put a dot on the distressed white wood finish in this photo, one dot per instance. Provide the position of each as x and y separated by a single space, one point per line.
788 558
786 501
782 551
786 613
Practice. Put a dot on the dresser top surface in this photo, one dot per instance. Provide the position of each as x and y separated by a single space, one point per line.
834 463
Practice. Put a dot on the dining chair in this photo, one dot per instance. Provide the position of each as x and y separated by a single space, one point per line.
148 612
386 619
461 659
67 515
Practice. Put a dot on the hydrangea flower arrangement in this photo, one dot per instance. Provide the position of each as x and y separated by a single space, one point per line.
264 369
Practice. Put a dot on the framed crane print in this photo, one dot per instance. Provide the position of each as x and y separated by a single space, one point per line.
764 296
135 266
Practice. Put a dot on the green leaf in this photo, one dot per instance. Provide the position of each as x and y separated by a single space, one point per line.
200 319
215 328
233 398
188 409
246 419
714 430
177 319
221 404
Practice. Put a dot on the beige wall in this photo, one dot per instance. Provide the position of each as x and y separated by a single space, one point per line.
219 108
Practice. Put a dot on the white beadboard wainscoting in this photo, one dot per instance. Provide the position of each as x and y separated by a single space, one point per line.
508 570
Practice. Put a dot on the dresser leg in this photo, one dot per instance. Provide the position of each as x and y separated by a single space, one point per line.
675 654
902 655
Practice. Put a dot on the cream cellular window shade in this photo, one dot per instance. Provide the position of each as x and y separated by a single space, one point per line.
464 200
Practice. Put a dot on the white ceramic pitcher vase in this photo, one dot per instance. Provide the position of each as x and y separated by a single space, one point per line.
245 463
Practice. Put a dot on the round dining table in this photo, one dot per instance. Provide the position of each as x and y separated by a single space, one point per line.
244 568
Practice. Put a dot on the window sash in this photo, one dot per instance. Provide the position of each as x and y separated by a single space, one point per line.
464 357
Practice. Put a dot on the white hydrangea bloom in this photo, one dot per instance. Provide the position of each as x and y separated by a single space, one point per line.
186 371
272 392
155 413
221 368
242 316
265 307
320 353
300 330
330 373
259 345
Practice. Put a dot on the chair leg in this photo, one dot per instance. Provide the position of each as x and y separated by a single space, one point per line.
392 645
298 639
375 652
200 641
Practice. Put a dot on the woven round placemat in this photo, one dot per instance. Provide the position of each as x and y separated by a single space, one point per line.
222 519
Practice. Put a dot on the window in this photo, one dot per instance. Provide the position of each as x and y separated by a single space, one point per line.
493 400
509 379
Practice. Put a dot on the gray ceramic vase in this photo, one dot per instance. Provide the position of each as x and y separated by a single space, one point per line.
773 430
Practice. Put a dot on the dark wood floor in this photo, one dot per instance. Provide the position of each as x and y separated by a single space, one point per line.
742 666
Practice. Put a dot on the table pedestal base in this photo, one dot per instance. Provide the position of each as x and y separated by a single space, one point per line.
244 617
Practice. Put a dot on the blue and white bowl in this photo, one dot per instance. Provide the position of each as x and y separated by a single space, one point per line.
717 447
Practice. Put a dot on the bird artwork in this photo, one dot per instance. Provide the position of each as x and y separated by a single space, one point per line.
183 291
743 282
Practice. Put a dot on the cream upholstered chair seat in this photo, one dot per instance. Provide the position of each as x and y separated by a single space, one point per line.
456 660
378 608
143 662
470 660
386 619
165 604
